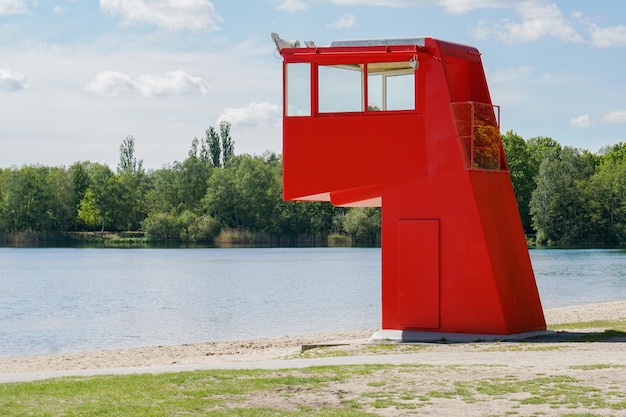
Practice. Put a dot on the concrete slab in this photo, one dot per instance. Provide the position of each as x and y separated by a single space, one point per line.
404 336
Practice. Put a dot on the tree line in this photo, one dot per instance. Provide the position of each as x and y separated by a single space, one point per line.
565 195
211 191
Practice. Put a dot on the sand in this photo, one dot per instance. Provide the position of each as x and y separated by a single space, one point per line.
257 350
444 379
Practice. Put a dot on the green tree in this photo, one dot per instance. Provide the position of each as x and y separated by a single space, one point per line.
523 174
162 196
228 143
540 148
62 211
128 163
557 205
4 179
258 193
88 211
132 185
80 182
28 201
605 197
363 224
213 147
244 194
223 200
105 192
615 152
190 181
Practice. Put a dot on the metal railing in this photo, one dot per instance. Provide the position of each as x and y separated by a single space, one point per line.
478 126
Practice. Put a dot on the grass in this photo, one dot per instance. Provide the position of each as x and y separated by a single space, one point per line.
393 348
616 325
595 367
375 349
317 391
323 352
514 347
605 336
613 329
326 391
215 393
555 391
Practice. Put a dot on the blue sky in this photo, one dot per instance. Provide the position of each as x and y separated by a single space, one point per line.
78 76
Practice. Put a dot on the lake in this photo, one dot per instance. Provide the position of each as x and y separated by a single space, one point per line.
58 300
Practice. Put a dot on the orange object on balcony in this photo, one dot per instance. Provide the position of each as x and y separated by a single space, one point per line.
408 125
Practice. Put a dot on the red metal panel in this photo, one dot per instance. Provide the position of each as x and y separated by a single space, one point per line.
418 274
512 269
334 153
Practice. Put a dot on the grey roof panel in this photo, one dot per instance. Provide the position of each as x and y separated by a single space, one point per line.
380 42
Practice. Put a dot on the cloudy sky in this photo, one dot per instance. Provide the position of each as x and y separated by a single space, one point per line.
78 76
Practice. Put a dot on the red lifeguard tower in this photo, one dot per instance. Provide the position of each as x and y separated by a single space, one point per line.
408 125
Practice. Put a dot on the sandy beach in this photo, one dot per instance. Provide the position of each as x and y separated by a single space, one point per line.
257 350
561 375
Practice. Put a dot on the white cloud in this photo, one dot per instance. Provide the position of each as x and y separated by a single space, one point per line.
173 83
292 5
452 6
463 6
609 37
254 114
59 10
615 117
391 3
344 22
581 121
11 81
113 84
13 7
538 20
173 15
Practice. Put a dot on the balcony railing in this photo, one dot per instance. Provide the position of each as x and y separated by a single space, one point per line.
478 126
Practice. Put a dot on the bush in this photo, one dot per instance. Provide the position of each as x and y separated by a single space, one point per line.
362 224
161 226
203 229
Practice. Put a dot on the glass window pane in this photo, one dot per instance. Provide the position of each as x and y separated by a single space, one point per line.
298 89
390 86
401 92
340 88
374 92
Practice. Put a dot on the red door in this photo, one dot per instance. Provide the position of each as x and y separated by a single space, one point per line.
418 274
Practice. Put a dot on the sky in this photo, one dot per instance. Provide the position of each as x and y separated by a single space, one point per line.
79 76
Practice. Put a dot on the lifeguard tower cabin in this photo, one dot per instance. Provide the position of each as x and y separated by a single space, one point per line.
408 125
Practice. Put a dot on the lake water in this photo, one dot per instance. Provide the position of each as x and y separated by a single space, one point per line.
68 300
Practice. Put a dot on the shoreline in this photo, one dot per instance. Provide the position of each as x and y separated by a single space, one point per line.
254 351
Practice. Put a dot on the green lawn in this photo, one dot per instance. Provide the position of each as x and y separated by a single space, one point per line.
350 391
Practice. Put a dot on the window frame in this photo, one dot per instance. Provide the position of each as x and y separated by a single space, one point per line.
405 68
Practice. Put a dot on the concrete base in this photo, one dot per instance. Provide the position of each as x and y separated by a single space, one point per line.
399 336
